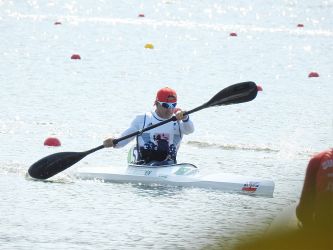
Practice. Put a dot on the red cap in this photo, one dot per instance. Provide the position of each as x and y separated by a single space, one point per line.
166 95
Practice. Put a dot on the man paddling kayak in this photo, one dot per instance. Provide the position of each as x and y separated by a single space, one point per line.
315 209
237 93
157 146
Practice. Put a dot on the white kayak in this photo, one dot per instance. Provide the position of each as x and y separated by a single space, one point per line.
184 175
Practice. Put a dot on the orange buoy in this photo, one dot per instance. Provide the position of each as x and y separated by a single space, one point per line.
52 142
300 25
141 15
259 88
313 74
76 57
233 34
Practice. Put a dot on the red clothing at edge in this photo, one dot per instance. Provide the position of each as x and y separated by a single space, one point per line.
315 208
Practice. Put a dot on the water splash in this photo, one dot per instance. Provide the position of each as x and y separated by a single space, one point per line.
232 146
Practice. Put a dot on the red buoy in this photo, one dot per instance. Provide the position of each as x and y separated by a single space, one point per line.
300 25
76 57
52 142
313 74
259 88
141 15
233 34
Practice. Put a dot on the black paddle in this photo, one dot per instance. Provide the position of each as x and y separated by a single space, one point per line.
55 163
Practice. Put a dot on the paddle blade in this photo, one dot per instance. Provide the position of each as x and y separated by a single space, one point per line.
236 93
54 164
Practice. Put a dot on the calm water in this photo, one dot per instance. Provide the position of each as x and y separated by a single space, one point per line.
44 93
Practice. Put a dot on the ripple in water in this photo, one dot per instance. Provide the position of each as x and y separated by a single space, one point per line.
231 147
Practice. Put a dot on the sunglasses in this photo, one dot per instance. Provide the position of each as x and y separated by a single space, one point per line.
168 105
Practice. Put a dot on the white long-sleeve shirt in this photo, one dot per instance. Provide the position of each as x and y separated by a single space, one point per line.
160 143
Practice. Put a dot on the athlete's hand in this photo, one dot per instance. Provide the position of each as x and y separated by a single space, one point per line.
180 115
108 143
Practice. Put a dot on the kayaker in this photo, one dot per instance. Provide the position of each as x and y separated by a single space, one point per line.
157 146
315 209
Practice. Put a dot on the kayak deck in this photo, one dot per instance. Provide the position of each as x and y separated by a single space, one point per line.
185 175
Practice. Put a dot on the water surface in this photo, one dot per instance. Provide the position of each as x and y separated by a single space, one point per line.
45 93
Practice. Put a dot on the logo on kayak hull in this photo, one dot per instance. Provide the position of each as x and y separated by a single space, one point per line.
250 187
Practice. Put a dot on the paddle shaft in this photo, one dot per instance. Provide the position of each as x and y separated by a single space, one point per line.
173 118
